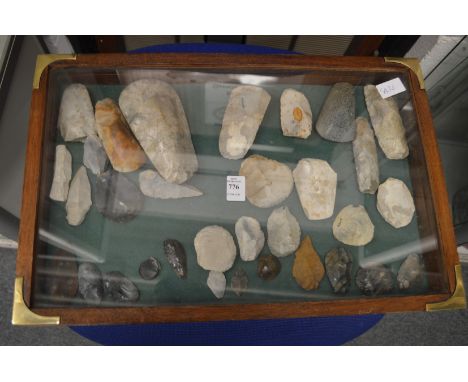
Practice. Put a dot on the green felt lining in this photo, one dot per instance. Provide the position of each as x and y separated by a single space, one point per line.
123 246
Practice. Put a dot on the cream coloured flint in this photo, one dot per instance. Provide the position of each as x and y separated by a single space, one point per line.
215 248
395 203
244 114
387 123
217 283
154 186
365 157
315 183
352 226
79 197
284 232
62 174
296 115
76 114
156 116
250 237
267 182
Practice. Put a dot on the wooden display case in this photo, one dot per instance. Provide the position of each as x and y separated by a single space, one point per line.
194 76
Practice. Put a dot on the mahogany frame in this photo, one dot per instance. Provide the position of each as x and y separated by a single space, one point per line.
436 209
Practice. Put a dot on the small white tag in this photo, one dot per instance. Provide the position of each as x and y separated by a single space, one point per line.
235 188
390 88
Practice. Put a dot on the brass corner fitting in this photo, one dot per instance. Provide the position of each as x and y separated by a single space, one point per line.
458 298
22 315
413 64
43 61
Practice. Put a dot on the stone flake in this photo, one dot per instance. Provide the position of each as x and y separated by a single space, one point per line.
117 197
244 113
410 274
250 237
365 157
90 284
308 269
315 183
125 154
284 232
387 123
79 198
338 265
154 186
374 280
239 281
296 115
336 121
76 114
352 226
176 256
157 118
94 155
62 174
395 203
217 283
267 182
215 248
268 267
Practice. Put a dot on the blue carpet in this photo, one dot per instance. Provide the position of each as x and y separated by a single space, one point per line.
211 48
297 331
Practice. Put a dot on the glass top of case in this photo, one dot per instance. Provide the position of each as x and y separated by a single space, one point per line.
328 188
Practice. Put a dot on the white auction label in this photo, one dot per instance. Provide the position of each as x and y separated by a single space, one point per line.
390 88
235 188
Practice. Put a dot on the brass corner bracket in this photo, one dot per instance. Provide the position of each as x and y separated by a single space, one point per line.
43 61
413 64
21 314
457 300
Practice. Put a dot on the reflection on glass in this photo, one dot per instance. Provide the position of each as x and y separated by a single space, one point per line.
120 232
